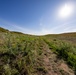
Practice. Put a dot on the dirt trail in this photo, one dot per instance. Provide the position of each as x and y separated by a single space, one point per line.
53 65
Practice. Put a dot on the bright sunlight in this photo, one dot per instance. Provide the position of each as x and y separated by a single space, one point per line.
66 11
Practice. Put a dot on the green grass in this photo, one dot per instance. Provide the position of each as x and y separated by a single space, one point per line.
65 50
19 53
22 54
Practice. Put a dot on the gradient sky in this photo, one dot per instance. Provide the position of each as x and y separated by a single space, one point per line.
36 17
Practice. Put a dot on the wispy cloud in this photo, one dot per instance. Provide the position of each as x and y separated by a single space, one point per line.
19 28
65 27
16 27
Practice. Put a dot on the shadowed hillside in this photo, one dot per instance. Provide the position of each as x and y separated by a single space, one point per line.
3 30
22 54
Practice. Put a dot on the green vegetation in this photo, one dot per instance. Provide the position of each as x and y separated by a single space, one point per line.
64 49
22 54
3 30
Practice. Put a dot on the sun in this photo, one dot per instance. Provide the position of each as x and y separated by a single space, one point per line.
65 11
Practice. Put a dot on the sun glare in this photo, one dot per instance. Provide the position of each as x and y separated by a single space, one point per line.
65 11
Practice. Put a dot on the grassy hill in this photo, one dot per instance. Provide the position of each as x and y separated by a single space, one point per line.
3 30
22 54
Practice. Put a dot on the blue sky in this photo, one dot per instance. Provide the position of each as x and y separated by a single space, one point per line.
37 17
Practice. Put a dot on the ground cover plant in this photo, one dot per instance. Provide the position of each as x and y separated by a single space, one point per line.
23 54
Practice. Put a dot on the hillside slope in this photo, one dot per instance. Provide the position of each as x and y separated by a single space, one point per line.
22 54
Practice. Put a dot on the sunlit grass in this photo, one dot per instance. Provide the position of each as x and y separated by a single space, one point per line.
22 54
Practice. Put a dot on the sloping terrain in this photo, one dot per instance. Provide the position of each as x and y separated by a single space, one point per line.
22 54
